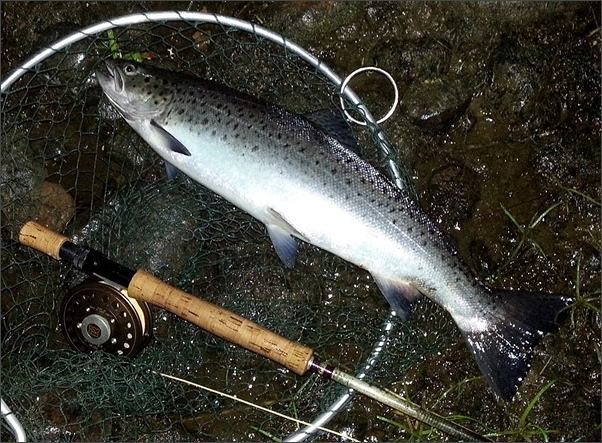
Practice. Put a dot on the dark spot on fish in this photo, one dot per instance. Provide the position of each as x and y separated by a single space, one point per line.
422 233
146 79
410 229
317 162
213 132
348 182
235 126
156 102
254 148
394 221
225 136
205 121
181 111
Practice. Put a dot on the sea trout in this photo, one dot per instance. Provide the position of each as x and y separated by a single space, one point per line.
304 182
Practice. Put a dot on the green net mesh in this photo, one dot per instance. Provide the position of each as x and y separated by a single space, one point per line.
71 162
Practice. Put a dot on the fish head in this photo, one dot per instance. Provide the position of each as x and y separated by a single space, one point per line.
139 92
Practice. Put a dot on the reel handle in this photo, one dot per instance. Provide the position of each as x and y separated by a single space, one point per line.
145 287
221 322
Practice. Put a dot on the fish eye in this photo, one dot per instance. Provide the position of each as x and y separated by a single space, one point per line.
129 69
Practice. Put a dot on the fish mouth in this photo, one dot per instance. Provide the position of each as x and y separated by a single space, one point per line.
112 79
113 85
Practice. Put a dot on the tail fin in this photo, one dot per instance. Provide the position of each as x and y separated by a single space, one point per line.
503 345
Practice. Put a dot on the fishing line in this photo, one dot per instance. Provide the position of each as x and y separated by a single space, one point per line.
256 406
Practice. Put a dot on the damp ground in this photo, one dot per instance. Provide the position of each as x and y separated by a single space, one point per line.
499 124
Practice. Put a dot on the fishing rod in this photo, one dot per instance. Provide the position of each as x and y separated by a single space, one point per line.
94 329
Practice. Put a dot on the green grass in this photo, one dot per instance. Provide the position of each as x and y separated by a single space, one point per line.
266 434
525 232
581 194
583 302
525 430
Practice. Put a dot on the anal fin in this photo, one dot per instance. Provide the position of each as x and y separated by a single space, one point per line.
171 171
400 294
285 245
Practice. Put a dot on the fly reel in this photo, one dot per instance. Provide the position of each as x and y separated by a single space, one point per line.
96 315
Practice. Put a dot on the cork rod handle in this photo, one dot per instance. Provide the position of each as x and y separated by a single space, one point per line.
45 240
221 322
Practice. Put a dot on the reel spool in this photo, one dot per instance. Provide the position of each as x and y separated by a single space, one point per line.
96 316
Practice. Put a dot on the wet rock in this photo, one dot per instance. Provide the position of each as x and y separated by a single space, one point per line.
571 161
518 84
416 59
434 105
453 191
56 206
150 226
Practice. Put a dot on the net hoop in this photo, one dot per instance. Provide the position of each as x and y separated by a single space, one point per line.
346 91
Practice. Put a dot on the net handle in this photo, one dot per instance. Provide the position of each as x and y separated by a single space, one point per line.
211 318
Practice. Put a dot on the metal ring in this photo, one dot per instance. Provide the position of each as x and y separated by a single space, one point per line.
364 69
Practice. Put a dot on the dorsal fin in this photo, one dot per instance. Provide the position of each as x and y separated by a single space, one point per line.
332 122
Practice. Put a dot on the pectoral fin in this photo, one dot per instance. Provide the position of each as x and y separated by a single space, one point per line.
399 294
285 245
167 140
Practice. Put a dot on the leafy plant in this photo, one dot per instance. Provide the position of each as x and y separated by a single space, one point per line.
116 53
